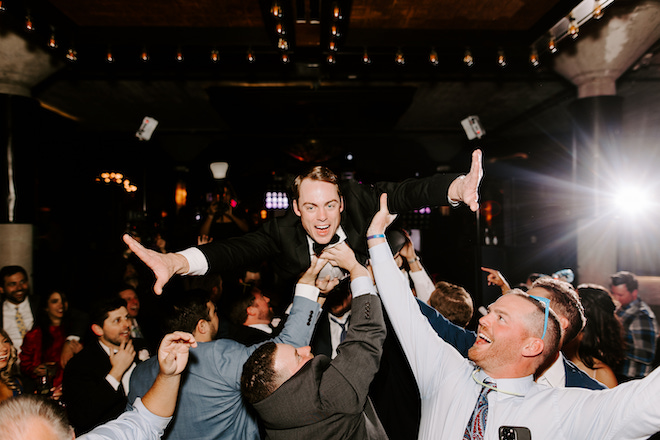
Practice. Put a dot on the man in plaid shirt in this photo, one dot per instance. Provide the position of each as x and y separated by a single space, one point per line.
639 324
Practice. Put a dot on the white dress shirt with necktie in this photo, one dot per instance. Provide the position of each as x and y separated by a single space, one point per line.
449 384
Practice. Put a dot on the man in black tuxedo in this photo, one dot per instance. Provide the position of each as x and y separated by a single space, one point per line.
96 380
324 211
299 396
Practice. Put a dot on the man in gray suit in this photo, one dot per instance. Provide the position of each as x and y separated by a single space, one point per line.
299 396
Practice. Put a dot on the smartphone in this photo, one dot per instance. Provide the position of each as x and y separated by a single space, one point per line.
515 433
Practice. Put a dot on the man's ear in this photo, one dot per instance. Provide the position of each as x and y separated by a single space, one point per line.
563 322
97 329
533 347
251 310
341 204
295 208
202 326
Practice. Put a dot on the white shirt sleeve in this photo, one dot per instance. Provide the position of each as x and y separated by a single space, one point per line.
197 263
138 424
424 286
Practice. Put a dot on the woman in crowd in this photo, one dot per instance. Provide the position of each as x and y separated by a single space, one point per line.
10 384
599 347
42 346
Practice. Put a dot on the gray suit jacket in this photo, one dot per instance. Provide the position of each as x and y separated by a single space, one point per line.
328 399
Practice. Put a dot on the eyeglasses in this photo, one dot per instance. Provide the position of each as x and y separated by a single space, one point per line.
546 303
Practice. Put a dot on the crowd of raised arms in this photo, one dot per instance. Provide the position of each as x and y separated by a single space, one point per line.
324 323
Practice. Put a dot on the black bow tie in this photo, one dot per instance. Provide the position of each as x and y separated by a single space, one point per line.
318 248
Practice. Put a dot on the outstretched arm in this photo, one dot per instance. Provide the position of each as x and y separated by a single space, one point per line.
172 358
164 266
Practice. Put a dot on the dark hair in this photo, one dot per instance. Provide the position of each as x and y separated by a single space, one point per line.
565 302
102 308
238 310
319 173
8 271
453 302
603 335
627 278
43 322
259 378
187 309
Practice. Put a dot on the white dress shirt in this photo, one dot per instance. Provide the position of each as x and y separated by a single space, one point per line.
630 411
9 320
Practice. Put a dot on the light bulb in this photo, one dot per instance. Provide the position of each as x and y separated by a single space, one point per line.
330 59
573 29
334 31
280 29
501 59
534 58
179 55
108 57
433 58
332 46
2 6
552 45
366 59
250 56
283 44
72 55
52 42
145 55
336 12
276 10
598 11
400 59
215 56
285 58
29 25
468 59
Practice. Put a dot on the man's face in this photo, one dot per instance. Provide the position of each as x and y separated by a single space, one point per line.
288 359
319 208
261 306
501 335
116 328
623 295
132 302
214 323
15 288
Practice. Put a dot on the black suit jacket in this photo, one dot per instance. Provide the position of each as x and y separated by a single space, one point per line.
283 240
322 341
328 399
90 399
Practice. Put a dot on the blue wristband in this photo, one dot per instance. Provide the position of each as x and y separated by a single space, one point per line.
369 237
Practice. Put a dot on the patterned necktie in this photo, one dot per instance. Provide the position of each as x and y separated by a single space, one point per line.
20 323
477 425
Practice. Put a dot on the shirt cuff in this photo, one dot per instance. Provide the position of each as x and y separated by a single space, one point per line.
114 383
362 286
73 338
307 291
197 263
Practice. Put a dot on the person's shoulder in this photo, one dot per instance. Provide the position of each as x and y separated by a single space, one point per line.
576 378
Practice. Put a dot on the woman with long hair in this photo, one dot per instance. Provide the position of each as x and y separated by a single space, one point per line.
599 347
10 384
42 346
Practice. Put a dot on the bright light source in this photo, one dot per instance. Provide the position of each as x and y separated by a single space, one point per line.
633 200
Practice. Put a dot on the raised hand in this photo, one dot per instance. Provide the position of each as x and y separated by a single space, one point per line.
466 188
382 219
164 266
173 352
122 360
495 278
309 277
343 256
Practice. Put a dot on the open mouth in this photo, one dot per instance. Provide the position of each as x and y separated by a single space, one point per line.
485 338
4 358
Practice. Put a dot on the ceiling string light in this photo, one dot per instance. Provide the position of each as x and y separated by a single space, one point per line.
468 60
282 44
598 11
330 59
332 46
399 58
276 9
72 55
52 42
573 28
279 28
552 45
2 6
250 56
179 54
29 25
501 58
336 12
366 59
108 56
144 56
285 58
433 58
215 56
534 58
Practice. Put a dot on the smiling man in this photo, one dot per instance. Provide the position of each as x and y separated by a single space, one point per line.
495 388
325 210
18 306
96 380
